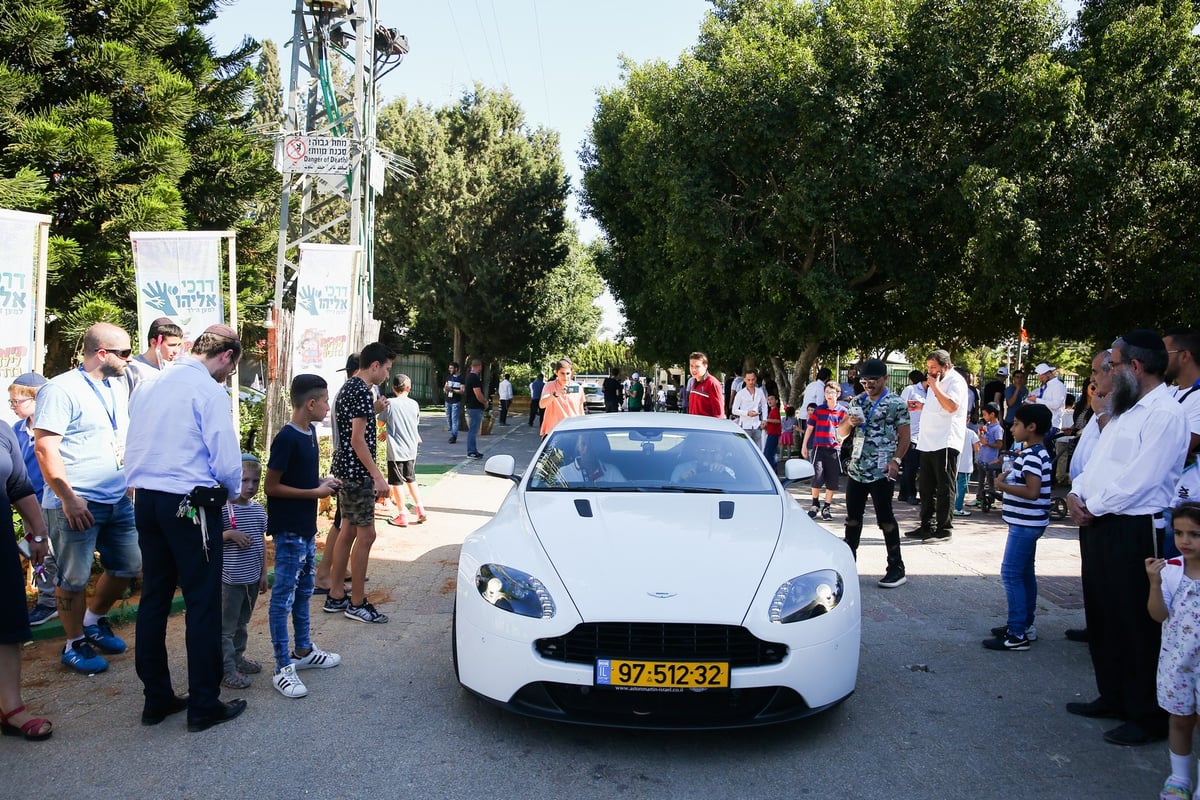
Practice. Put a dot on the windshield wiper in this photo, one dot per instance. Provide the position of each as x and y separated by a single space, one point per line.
682 489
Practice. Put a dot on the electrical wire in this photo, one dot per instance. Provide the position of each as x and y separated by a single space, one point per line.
541 57
500 44
458 33
487 41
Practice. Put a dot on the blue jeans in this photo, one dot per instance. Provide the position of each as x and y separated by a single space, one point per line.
474 420
295 576
1016 573
113 534
452 418
770 447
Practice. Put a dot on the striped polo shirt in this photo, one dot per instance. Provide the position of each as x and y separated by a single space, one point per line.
825 421
1029 513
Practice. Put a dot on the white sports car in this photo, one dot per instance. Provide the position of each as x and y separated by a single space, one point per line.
650 571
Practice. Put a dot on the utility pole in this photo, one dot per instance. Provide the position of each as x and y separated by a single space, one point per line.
336 199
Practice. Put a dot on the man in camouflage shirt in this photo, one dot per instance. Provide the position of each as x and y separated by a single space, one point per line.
878 421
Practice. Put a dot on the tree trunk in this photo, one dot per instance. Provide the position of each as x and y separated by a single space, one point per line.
803 373
782 379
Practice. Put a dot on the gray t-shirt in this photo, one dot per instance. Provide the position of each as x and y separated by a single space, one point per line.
401 417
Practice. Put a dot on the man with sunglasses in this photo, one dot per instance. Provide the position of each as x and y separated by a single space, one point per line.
79 433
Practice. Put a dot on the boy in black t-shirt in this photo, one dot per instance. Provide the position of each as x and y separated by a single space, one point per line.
293 487
361 483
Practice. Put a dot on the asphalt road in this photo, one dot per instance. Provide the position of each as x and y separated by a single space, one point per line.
935 715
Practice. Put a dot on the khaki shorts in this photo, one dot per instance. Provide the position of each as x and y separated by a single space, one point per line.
356 501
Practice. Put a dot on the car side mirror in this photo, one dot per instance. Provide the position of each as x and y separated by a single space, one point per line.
797 469
505 466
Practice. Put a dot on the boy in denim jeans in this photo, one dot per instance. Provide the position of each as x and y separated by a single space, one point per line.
293 487
1026 490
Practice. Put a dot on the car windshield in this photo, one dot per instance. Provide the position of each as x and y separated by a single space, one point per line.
651 460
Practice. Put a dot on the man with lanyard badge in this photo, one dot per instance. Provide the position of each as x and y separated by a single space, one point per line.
879 422
79 433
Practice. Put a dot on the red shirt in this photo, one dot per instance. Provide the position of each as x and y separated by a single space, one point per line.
707 398
773 426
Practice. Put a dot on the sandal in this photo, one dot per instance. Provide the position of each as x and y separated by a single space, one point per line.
235 680
29 731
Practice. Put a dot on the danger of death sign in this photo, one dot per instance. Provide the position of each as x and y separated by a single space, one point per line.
314 155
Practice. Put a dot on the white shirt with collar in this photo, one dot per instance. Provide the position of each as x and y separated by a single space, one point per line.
1053 395
744 402
505 389
942 429
814 394
1138 459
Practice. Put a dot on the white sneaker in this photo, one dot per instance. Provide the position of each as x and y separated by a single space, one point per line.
288 682
317 659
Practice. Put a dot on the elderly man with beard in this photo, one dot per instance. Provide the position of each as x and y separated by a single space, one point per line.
1118 501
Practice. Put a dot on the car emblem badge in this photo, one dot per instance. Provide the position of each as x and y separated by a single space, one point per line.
662 595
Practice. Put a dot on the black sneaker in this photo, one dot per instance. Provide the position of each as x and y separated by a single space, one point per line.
1007 642
892 578
333 606
1002 630
826 513
812 512
917 533
365 613
936 537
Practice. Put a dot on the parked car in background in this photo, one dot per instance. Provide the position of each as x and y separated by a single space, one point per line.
593 393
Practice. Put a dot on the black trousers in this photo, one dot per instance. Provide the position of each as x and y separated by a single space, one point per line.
535 412
504 411
880 492
938 485
1123 640
173 556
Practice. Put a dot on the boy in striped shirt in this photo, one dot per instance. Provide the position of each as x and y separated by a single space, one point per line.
1026 490
243 573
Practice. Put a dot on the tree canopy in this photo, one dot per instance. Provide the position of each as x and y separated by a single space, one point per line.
868 174
119 116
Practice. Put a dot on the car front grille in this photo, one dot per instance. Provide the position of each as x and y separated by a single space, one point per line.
657 640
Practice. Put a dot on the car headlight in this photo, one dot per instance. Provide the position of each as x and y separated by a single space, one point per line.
807 596
512 590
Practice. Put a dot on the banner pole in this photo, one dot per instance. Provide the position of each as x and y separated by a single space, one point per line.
39 330
236 389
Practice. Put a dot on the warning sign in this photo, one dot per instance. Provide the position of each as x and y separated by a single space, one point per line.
314 155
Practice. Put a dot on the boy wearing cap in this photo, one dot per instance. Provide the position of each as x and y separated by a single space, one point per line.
636 393
22 399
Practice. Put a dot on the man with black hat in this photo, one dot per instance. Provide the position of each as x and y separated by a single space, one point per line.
1118 501
182 453
880 425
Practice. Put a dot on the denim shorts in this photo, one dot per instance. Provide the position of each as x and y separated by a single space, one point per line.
112 534
356 501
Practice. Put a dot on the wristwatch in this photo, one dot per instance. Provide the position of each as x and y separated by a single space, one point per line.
897 461
29 537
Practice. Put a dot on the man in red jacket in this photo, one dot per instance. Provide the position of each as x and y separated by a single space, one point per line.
707 397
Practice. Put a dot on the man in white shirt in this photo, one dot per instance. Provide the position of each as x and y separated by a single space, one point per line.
943 431
164 343
814 395
1118 501
750 407
1052 393
505 390
1183 368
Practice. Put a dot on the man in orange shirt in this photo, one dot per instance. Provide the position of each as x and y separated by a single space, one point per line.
561 398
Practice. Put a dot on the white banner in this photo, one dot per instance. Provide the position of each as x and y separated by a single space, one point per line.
321 327
178 275
19 282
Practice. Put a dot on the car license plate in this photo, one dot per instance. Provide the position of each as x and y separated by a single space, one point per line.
662 674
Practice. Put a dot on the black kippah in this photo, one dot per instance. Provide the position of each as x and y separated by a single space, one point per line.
1145 339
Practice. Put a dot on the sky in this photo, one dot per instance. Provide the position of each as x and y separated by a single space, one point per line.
552 54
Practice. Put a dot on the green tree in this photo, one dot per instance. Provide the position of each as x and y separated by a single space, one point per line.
473 238
118 116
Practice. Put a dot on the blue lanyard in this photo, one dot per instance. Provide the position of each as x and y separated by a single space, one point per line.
874 406
112 413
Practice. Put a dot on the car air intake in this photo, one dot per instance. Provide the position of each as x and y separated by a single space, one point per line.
657 640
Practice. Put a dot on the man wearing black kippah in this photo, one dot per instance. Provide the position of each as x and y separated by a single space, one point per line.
1118 501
